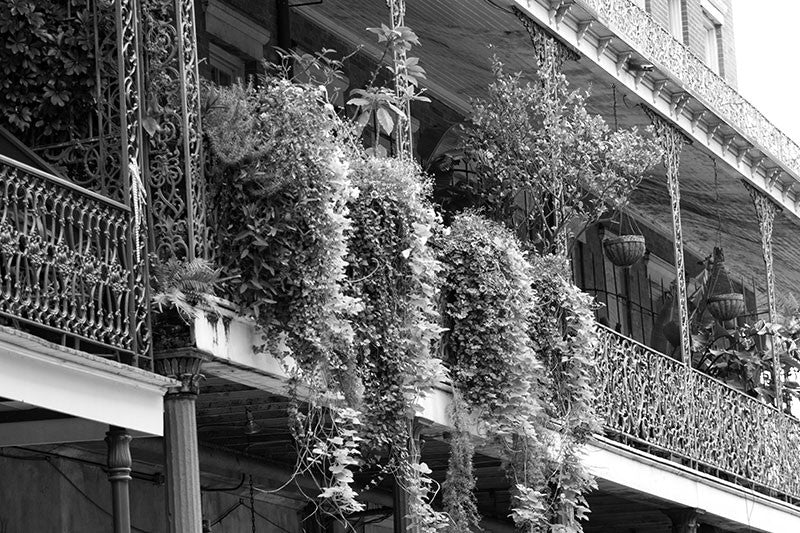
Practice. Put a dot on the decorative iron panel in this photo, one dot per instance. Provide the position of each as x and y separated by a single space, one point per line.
90 154
651 400
176 175
64 258
653 41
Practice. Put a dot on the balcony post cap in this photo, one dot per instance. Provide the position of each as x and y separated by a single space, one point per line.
184 365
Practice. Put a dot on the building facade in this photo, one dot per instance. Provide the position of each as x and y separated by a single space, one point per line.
114 417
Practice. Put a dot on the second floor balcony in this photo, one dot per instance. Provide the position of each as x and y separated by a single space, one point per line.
84 213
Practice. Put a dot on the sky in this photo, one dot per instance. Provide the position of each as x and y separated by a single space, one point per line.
767 52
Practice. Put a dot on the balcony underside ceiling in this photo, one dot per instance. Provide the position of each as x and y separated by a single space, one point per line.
455 52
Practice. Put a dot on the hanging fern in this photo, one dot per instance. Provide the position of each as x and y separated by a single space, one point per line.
182 285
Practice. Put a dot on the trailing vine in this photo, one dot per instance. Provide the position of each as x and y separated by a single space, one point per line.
564 336
282 186
394 274
458 494
487 300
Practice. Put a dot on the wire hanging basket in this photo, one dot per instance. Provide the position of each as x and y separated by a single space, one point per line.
723 301
626 249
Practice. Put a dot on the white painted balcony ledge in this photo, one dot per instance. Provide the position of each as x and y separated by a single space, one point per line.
98 391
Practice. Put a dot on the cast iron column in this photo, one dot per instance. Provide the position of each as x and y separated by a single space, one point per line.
181 457
672 142
119 474
766 211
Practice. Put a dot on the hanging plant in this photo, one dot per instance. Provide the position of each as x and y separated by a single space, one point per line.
281 185
393 272
722 300
487 301
627 248
565 339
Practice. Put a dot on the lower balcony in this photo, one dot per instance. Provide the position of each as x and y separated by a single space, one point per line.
72 363
657 404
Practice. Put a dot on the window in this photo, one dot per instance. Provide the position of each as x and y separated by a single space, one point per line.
712 45
676 19
224 67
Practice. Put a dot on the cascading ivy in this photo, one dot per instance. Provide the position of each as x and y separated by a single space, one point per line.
394 274
487 300
565 338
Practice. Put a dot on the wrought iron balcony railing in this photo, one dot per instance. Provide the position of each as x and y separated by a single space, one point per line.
657 44
650 400
65 262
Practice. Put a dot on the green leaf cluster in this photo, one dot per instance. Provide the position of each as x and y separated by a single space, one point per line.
281 187
47 59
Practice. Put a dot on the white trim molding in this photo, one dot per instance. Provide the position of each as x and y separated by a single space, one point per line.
79 384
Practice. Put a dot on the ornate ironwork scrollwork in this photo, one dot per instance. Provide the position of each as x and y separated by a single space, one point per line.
657 44
672 141
766 211
176 176
648 399
131 169
550 52
64 258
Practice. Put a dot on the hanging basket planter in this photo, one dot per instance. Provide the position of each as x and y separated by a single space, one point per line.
624 250
726 306
723 302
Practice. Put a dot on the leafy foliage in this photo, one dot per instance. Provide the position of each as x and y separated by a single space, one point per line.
544 162
742 357
388 108
565 339
282 187
393 273
182 285
46 67
458 496
487 300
